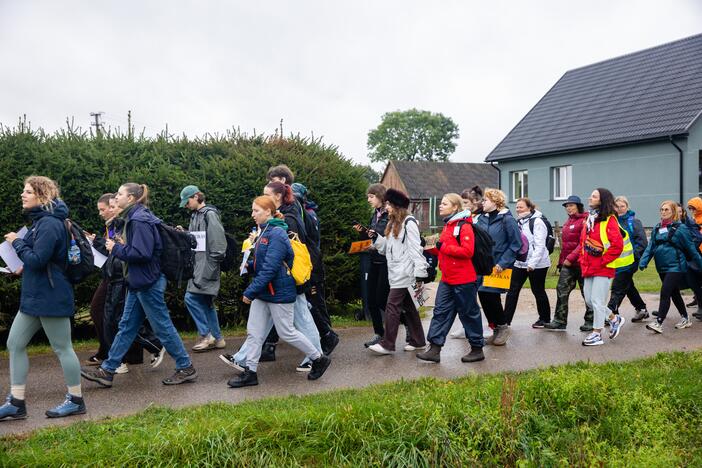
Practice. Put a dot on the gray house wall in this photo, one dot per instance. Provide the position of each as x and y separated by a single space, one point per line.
646 173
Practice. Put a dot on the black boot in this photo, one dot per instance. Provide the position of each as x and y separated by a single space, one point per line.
329 342
433 354
267 352
247 379
693 303
476 354
319 367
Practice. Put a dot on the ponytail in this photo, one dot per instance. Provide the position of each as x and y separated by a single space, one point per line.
279 188
139 191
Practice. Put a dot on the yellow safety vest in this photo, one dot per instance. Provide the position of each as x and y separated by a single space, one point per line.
625 258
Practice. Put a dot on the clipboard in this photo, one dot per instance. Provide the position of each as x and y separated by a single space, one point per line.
360 246
498 280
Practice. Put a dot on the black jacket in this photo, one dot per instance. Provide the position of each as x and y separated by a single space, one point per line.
378 222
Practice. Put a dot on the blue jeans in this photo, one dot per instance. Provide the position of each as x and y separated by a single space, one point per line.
204 314
302 321
452 300
149 303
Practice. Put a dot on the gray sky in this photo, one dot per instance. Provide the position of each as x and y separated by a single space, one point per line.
326 67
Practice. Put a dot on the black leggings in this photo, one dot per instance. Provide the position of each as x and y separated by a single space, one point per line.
537 280
491 302
671 290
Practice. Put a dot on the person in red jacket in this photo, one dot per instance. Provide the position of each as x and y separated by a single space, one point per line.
569 266
457 292
597 252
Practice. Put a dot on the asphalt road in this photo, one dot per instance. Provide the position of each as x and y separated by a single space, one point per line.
352 366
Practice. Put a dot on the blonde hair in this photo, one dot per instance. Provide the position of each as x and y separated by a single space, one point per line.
496 196
140 192
45 189
673 207
455 200
622 198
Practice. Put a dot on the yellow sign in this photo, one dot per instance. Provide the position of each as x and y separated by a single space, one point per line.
360 246
498 280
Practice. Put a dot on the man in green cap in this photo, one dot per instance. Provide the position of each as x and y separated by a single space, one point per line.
206 226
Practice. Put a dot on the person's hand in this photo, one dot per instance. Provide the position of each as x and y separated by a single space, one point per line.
180 228
358 227
498 269
245 300
530 268
438 245
19 271
253 236
419 280
91 237
372 234
109 244
567 263
10 237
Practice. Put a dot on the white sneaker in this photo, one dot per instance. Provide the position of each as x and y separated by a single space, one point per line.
683 323
377 349
458 334
157 359
122 369
409 347
655 326
206 343
220 343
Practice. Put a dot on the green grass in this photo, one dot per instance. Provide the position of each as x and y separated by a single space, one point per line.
640 413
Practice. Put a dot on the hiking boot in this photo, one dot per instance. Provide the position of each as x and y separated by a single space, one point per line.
187 374
267 352
555 326
490 339
229 360
476 354
72 405
319 367
433 354
693 303
640 315
220 343
157 359
593 339
586 327
93 361
697 315
683 323
655 326
329 342
375 340
206 343
122 369
502 334
616 326
378 349
13 409
248 379
99 375
458 334
304 367
538 324
409 347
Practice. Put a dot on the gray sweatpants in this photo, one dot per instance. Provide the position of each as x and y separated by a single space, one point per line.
258 326
596 291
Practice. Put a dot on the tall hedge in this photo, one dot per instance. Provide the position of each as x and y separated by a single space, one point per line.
230 169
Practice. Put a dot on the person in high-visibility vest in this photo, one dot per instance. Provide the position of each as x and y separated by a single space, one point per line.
602 252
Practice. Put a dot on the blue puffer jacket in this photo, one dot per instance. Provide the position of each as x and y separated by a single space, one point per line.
637 235
43 248
142 249
670 253
272 281
505 232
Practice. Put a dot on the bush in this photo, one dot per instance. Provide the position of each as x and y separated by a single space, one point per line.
230 169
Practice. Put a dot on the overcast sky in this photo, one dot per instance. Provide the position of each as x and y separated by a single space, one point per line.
327 67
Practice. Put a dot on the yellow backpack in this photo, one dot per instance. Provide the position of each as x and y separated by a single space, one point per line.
302 265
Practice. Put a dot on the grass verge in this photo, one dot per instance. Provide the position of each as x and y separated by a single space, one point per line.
639 413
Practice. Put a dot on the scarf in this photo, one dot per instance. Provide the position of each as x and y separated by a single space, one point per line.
592 217
666 222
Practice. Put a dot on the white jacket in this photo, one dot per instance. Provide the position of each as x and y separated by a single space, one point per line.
405 259
538 256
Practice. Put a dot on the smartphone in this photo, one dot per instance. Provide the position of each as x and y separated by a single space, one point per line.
363 228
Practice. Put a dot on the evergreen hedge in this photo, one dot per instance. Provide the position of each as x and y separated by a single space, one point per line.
230 169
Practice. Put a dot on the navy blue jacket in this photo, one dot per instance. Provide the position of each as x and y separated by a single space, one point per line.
637 235
670 254
142 249
505 232
43 248
272 281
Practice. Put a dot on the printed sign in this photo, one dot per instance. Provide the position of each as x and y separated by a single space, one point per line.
419 294
498 280
201 237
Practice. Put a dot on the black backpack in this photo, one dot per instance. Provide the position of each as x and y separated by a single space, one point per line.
550 239
482 251
231 254
75 272
177 254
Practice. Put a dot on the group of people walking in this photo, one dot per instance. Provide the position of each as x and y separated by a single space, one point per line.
128 307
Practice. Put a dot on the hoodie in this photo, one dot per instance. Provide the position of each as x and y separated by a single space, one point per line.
456 261
696 203
44 248
142 248
538 256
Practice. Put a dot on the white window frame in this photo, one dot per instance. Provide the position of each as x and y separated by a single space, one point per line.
521 179
561 189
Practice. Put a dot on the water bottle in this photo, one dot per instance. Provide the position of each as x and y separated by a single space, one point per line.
74 253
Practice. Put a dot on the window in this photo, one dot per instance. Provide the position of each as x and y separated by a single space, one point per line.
519 185
562 182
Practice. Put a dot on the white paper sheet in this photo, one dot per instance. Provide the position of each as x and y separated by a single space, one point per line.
5 270
242 268
98 258
201 237
8 254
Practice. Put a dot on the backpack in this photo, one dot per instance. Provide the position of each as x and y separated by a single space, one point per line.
231 254
483 262
302 265
432 260
177 254
77 271
550 238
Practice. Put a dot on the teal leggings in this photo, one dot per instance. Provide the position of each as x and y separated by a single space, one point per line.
58 330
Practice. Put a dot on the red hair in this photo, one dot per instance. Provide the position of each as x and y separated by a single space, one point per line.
284 190
266 202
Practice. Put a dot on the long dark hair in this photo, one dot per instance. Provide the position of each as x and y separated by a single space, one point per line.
607 207
279 188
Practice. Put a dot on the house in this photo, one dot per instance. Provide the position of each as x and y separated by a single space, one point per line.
630 124
426 182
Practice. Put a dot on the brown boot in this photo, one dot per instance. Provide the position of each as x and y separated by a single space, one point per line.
433 354
502 334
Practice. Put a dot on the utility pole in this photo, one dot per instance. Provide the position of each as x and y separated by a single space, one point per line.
97 124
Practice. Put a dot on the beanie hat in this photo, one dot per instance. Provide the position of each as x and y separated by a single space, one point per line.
397 198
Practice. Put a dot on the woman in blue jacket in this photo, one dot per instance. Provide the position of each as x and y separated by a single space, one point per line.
272 294
139 246
671 245
46 300
498 221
